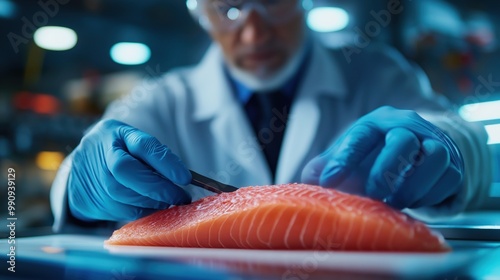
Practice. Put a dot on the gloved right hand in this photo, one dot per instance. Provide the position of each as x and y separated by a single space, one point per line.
120 173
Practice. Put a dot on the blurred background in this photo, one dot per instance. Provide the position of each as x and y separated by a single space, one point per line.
63 61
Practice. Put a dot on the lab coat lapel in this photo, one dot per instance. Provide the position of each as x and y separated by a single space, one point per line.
323 78
215 103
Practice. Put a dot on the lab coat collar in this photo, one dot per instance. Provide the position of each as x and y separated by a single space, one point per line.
324 78
210 85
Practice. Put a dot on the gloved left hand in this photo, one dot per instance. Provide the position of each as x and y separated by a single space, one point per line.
391 155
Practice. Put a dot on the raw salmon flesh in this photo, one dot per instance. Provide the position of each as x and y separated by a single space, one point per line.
290 216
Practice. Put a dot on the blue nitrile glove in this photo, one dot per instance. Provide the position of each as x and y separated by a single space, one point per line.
391 155
120 173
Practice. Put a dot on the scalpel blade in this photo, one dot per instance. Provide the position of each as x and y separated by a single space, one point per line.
210 184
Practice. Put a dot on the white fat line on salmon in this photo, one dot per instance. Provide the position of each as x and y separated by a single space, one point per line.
361 233
304 228
263 223
188 234
175 237
251 225
209 233
348 233
230 231
222 230
377 233
288 230
197 229
273 229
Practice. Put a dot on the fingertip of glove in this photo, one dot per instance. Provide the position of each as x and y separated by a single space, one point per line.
310 176
182 199
334 176
182 177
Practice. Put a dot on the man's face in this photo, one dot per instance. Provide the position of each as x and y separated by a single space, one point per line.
259 47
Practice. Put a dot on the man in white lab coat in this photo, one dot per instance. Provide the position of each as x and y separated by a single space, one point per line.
327 122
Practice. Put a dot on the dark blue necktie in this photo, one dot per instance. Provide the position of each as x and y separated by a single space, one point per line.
268 113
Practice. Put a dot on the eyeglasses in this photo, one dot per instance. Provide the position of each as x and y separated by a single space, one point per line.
228 15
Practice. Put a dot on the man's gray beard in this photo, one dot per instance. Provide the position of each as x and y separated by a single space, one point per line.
262 81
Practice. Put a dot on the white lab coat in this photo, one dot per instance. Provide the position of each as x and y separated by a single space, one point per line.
194 112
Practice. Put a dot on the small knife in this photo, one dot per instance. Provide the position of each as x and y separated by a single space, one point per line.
210 184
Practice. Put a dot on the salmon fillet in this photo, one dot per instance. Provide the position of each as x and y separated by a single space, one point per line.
290 216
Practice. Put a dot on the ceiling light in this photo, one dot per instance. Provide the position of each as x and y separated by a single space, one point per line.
192 4
483 111
327 19
233 14
55 38
130 53
49 160
7 9
493 131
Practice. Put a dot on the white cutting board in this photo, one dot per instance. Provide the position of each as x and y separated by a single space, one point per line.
396 264
238 260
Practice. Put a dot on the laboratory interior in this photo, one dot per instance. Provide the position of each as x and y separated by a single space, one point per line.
63 62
